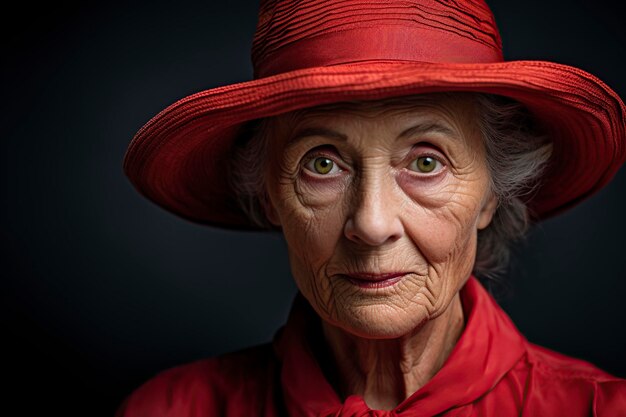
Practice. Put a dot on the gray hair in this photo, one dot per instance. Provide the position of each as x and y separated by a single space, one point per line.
516 153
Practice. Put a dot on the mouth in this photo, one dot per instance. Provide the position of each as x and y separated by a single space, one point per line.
366 280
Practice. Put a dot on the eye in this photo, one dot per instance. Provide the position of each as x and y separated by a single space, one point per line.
425 164
322 165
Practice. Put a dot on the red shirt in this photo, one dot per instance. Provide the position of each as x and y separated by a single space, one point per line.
492 371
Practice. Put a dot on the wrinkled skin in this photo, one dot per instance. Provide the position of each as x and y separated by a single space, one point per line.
377 211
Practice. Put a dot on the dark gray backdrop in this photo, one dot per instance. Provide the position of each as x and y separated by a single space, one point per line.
102 289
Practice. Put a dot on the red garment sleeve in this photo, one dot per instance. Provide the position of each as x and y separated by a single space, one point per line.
236 384
178 392
560 385
610 399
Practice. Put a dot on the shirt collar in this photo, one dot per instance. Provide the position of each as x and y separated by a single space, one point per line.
488 348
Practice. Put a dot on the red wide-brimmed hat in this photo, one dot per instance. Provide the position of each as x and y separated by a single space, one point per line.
312 52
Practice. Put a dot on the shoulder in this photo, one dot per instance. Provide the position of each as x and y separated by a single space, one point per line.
561 381
215 386
560 366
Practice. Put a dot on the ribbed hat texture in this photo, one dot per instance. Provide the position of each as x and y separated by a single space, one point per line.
312 52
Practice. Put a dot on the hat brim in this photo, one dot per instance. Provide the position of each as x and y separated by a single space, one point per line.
180 158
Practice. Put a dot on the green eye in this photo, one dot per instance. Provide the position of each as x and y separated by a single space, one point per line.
426 164
323 165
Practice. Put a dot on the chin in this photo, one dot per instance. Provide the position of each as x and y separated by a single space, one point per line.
380 321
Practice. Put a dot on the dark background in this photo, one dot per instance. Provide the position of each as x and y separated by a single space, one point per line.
102 288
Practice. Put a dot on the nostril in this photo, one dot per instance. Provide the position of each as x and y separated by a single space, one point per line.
375 217
374 232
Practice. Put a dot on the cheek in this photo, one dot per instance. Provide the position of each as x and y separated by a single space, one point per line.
312 236
315 209
443 241
443 220
312 222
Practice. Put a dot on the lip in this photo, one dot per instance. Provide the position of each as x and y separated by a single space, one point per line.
367 280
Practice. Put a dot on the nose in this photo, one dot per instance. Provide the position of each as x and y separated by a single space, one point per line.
375 215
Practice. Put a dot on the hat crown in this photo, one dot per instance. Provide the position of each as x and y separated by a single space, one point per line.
292 35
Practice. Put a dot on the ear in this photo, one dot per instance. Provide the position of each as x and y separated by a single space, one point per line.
487 211
270 210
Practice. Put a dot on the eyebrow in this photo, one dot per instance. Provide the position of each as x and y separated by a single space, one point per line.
419 129
316 131
429 127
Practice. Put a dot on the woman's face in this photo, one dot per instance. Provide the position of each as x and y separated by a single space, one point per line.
380 204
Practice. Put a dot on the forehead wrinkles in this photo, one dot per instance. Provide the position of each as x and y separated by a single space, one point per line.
457 109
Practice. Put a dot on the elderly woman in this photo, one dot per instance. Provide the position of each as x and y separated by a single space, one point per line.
400 156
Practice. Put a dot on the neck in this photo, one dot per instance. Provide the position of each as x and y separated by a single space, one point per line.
387 371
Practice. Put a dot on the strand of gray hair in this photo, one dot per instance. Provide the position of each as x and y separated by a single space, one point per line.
517 156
